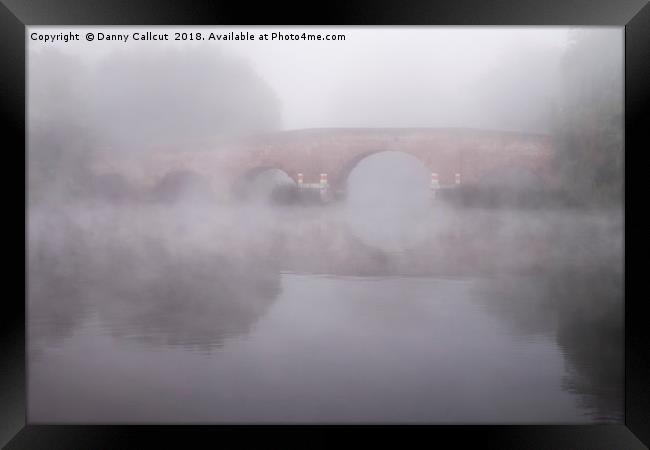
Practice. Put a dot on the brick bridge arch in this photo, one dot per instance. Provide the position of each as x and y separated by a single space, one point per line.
340 176
472 153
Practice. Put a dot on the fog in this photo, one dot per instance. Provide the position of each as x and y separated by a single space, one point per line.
169 292
377 77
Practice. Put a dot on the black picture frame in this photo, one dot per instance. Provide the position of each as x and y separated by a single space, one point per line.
15 15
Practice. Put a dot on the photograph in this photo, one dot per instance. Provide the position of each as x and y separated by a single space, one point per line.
325 225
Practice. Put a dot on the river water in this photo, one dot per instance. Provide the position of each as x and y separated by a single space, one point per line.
139 314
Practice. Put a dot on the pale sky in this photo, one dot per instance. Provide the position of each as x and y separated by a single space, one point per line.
380 76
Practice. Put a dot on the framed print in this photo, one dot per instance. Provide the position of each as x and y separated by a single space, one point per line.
395 220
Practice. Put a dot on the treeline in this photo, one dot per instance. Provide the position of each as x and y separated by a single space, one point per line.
589 119
133 101
587 129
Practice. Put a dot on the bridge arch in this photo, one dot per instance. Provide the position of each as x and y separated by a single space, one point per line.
388 198
504 186
387 179
511 177
265 183
342 175
182 186
112 187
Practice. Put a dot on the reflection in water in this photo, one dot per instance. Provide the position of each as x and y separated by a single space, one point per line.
139 286
582 311
590 332
195 302
295 318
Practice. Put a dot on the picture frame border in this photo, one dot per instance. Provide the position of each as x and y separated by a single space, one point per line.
16 15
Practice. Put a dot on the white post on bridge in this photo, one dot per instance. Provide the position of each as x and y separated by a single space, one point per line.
300 180
435 184
323 186
457 178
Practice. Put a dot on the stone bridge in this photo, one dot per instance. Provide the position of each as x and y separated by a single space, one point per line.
477 155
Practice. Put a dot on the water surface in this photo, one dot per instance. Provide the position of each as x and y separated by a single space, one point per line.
293 315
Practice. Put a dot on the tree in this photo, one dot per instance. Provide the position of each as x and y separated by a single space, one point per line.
179 96
589 118
134 100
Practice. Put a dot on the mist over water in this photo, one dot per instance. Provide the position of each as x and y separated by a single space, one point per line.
248 295
185 298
